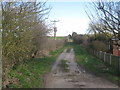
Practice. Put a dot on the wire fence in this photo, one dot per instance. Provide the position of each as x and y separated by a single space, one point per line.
108 58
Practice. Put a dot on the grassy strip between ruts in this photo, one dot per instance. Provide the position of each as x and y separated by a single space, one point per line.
68 49
30 73
95 65
64 65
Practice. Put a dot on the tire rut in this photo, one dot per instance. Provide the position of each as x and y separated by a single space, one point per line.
77 77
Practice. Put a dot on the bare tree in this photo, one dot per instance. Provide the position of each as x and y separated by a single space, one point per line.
107 17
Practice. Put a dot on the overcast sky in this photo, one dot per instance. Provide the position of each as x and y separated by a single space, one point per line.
71 16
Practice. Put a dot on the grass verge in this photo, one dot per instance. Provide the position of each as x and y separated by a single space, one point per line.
30 74
64 66
95 65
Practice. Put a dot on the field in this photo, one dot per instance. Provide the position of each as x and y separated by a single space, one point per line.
58 37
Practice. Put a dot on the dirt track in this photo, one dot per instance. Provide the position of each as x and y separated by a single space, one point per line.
77 77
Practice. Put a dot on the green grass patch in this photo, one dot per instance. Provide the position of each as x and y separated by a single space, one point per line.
95 65
68 49
64 66
29 74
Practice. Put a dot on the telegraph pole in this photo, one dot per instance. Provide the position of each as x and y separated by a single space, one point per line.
55 28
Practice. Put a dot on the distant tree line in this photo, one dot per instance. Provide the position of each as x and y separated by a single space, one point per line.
99 42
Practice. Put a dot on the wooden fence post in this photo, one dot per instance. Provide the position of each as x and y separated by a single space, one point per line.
97 54
100 55
104 56
119 70
110 58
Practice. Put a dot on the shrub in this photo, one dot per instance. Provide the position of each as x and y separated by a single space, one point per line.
78 39
22 31
98 45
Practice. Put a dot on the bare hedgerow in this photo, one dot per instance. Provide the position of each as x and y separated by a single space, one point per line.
99 45
48 46
23 29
